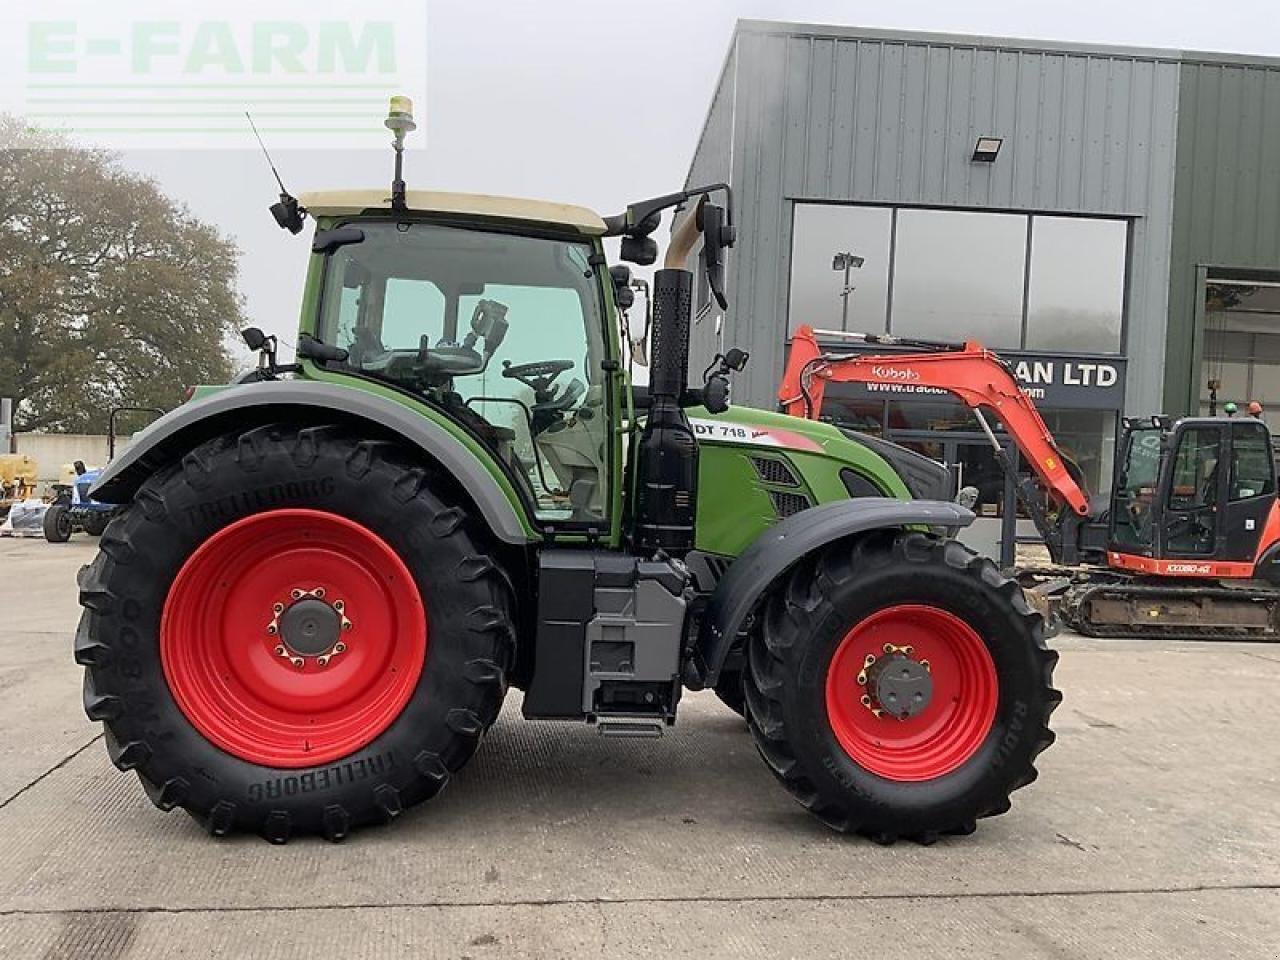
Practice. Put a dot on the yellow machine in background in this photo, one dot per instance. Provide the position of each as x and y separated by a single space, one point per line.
17 478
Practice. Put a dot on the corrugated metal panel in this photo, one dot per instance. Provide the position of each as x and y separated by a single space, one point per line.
713 163
1227 199
879 119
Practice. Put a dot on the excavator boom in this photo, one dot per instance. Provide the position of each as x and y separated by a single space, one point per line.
973 374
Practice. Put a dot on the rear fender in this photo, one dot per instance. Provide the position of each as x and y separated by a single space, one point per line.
784 544
239 407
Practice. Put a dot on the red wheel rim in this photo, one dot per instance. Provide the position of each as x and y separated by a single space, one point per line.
955 721
223 664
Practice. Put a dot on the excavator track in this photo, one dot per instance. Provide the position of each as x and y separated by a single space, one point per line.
1182 610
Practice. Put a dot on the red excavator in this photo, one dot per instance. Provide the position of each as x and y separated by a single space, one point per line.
1188 545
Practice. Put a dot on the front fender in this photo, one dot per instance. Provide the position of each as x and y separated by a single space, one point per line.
775 551
237 407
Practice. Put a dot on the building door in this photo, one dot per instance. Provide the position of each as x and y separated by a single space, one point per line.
1241 351
973 464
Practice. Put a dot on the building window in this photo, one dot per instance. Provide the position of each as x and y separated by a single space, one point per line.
959 275
818 296
1075 296
1010 281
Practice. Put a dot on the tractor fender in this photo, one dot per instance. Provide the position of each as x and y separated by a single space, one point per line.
784 544
238 406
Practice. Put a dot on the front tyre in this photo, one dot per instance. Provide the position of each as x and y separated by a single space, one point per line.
56 524
898 685
291 632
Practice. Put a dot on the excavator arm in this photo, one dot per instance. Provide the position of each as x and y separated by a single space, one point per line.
968 371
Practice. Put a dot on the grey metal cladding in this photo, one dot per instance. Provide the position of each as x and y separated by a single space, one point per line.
866 116
1226 210
167 437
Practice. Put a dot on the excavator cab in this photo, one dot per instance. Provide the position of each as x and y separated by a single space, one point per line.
1193 497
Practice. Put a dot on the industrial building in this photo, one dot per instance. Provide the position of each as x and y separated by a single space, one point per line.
1107 218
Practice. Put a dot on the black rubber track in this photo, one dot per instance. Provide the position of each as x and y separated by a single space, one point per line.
470 634
797 632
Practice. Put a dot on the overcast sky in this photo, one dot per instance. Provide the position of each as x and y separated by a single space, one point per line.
601 101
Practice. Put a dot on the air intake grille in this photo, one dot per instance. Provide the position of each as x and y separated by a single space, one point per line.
787 504
774 471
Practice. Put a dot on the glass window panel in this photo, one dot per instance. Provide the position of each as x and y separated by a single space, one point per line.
1087 439
942 415
843 406
1076 296
821 232
959 275
1251 469
1233 378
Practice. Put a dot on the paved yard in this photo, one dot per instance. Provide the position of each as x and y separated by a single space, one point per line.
1154 831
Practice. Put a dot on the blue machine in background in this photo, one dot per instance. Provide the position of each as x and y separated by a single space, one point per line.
72 508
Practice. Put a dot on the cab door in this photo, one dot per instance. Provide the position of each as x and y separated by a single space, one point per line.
1194 489
1251 490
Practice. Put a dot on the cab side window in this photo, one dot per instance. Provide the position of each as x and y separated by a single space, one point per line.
1252 472
1195 474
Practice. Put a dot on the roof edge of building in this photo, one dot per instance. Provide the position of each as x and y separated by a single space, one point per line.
981 41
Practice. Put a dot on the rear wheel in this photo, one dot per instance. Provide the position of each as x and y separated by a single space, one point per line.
96 522
898 685
57 524
292 632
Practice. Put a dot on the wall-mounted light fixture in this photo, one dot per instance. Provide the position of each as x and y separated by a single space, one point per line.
986 149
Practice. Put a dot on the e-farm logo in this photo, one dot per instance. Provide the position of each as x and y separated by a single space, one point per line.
151 74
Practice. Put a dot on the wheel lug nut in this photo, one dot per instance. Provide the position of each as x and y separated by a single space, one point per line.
277 608
318 593
298 662
280 650
271 629
296 594
339 606
339 648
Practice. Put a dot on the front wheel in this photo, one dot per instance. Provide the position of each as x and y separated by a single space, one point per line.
898 685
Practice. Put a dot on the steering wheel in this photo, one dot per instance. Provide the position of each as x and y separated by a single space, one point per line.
538 376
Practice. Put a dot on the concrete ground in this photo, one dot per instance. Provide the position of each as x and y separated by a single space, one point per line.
1154 831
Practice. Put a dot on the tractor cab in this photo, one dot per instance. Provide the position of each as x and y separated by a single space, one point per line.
503 331
1192 496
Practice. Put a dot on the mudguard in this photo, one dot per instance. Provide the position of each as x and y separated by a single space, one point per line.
783 544
236 407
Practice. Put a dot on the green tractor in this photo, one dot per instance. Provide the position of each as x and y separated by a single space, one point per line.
323 579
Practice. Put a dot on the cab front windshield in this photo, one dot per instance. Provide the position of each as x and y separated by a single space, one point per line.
502 332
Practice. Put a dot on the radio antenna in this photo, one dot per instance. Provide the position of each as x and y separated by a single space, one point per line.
288 214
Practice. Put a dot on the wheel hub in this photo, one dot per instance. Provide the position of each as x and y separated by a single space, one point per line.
309 626
899 685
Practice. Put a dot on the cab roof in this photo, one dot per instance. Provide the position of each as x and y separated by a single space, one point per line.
339 203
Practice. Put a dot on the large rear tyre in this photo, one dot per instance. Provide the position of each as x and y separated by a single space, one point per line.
292 632
898 685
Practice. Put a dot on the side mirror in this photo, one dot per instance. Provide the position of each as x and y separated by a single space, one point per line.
253 338
639 250
717 236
